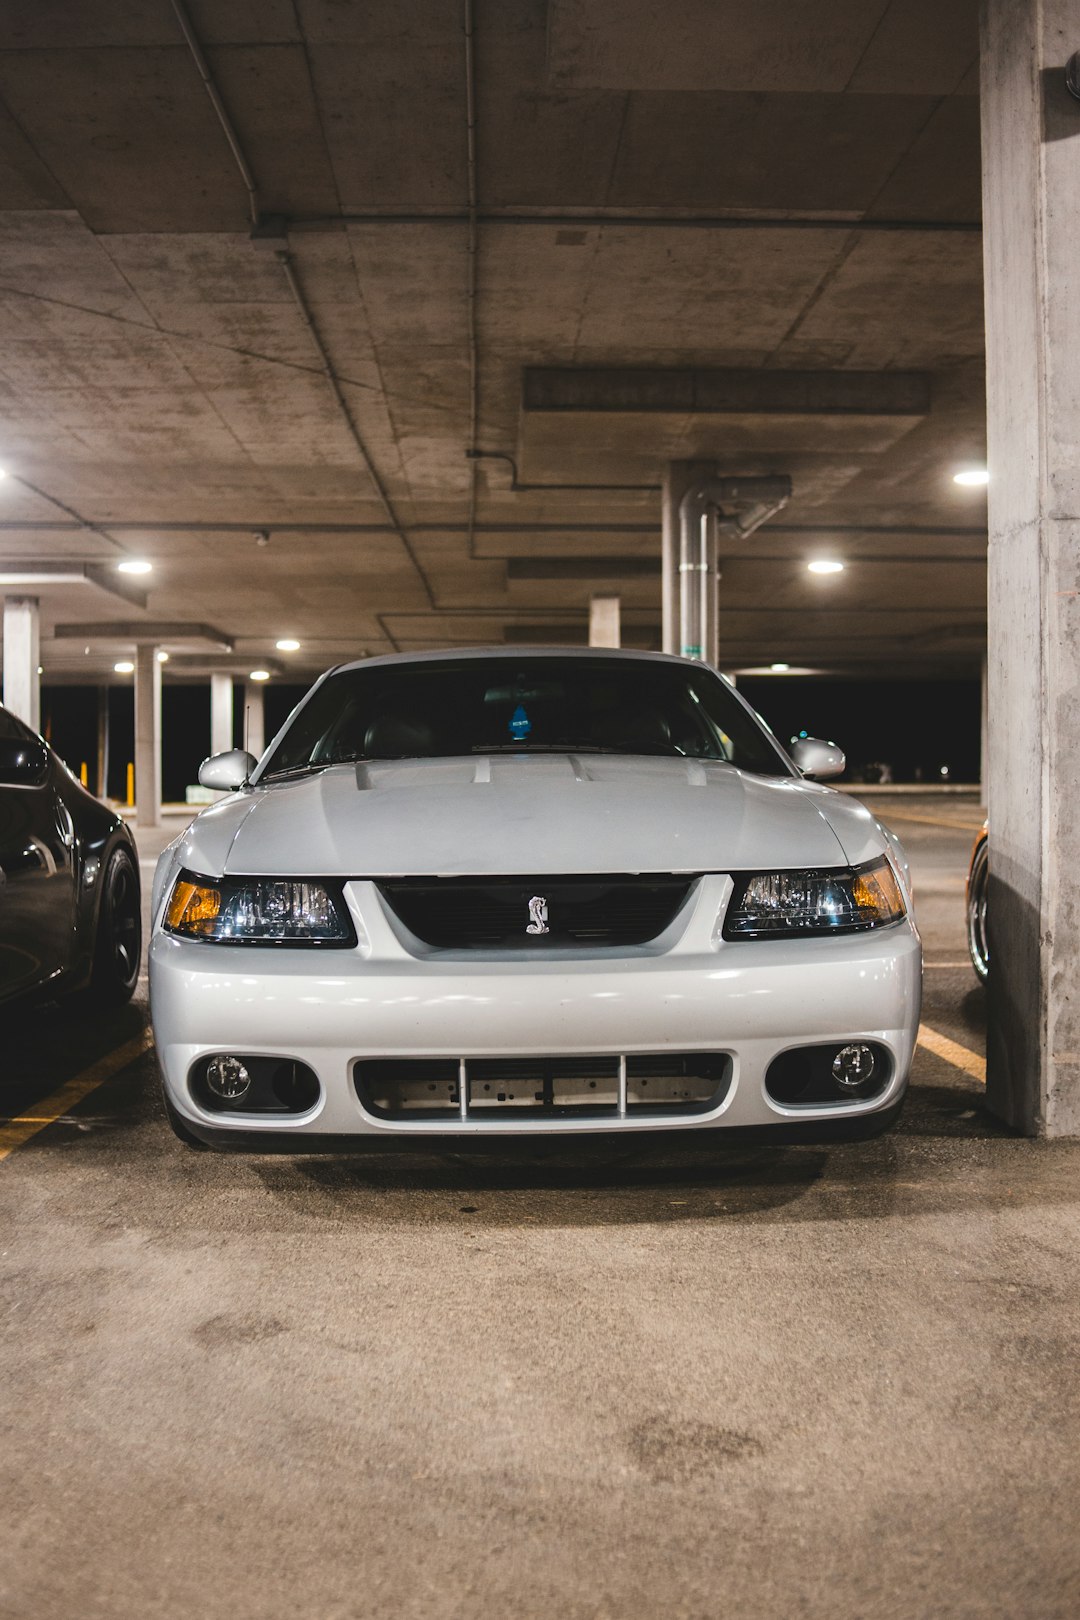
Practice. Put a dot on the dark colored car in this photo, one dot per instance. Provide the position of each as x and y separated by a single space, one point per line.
70 917
978 877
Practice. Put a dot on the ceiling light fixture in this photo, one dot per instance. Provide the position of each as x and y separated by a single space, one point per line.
124 668
163 657
972 477
825 565
779 669
287 645
259 675
135 565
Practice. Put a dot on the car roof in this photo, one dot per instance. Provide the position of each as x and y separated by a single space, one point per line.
454 653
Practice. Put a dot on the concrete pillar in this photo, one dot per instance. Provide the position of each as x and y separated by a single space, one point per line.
605 622
22 655
1031 246
984 733
147 737
254 718
102 741
710 591
669 564
221 714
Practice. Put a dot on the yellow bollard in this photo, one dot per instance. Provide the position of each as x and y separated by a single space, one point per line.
131 783
82 773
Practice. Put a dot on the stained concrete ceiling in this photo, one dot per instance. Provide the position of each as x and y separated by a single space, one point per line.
700 187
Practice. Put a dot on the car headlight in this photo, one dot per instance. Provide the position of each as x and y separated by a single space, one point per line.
258 911
767 905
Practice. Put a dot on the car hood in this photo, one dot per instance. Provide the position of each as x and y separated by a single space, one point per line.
535 814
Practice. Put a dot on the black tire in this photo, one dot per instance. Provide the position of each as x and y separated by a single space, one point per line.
118 944
977 884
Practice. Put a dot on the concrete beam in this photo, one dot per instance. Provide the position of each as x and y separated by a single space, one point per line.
22 683
582 567
708 390
56 571
575 635
176 631
1031 140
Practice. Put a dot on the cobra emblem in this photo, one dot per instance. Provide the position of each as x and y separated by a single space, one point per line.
538 916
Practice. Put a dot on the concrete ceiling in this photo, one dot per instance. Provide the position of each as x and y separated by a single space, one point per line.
702 187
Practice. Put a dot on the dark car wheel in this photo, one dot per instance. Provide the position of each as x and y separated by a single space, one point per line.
118 947
978 878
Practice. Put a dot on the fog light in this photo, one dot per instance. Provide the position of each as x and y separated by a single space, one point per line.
227 1077
853 1065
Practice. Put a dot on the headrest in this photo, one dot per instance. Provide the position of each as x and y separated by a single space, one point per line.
393 736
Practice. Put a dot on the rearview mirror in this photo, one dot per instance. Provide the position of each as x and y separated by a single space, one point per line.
23 762
227 771
817 758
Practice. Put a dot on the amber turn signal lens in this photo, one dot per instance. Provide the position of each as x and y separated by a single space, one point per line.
192 905
878 892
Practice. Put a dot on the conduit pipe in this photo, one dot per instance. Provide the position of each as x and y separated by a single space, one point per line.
473 248
219 107
285 260
705 512
76 517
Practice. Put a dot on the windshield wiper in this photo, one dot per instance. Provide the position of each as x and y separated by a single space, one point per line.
289 771
576 748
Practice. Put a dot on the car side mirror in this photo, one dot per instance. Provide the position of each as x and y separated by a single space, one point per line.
227 771
24 762
817 758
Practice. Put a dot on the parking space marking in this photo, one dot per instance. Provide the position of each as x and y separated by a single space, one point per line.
17 1130
929 821
952 1052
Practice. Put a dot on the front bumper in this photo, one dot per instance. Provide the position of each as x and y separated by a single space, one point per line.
689 992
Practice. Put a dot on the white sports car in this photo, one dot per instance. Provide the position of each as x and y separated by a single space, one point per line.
491 893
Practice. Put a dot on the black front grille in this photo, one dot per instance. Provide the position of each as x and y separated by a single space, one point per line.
494 913
520 1089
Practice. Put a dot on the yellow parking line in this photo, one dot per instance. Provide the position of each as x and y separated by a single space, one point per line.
929 821
952 1052
14 1132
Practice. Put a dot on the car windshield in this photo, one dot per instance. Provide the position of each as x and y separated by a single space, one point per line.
520 705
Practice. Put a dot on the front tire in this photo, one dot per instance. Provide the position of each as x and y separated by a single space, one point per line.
977 885
118 944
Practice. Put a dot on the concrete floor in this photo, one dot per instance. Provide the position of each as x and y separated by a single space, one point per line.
685 1382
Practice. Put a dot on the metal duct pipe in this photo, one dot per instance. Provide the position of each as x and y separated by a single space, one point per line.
219 107
285 260
473 252
702 519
